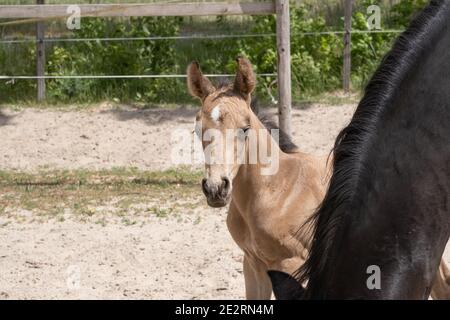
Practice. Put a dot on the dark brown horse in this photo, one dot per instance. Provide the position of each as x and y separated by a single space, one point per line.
382 228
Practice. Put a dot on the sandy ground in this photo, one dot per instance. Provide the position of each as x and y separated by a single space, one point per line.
169 258
121 137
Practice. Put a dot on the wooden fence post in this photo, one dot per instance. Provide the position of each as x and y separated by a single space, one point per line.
346 72
40 57
284 65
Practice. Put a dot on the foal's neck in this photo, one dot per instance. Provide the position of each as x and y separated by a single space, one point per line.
251 176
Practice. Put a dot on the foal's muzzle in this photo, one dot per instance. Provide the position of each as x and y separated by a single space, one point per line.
217 194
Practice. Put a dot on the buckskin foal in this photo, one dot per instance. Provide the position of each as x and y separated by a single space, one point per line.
264 194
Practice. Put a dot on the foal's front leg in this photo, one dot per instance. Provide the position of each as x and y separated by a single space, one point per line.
441 286
257 282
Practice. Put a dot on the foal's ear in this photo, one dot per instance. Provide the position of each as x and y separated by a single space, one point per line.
245 81
199 86
284 286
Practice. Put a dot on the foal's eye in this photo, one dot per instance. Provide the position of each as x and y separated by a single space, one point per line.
243 132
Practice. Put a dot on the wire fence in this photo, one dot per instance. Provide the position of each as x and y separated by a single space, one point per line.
190 37
133 76
121 61
156 38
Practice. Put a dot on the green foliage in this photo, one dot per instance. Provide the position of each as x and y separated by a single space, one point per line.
403 11
316 59
367 50
116 58
17 59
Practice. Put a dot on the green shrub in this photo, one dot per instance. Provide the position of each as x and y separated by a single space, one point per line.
116 58
316 59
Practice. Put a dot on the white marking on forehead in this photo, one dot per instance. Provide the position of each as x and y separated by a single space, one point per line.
215 113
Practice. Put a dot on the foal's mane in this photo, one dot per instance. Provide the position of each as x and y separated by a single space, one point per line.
353 142
284 141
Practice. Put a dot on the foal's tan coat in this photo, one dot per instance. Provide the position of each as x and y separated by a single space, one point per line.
265 211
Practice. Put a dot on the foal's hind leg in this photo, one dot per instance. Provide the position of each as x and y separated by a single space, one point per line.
441 284
257 282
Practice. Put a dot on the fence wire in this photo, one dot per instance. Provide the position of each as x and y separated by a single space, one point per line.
131 76
191 37
154 38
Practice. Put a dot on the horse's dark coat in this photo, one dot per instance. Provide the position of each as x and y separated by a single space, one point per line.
285 287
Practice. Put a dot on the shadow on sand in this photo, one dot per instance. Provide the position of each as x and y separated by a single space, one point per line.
4 118
153 116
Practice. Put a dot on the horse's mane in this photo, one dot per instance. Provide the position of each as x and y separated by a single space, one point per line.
284 141
353 142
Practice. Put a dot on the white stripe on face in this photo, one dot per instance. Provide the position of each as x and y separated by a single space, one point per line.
215 113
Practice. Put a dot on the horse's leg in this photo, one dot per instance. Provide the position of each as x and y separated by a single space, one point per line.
251 291
441 284
257 282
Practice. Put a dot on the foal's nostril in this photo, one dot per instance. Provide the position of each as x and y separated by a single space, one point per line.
225 183
204 186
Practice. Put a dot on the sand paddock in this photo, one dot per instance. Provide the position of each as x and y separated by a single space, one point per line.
183 256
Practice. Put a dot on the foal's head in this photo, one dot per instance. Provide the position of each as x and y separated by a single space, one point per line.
223 121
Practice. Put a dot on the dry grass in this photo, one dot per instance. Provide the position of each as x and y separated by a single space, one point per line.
123 193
